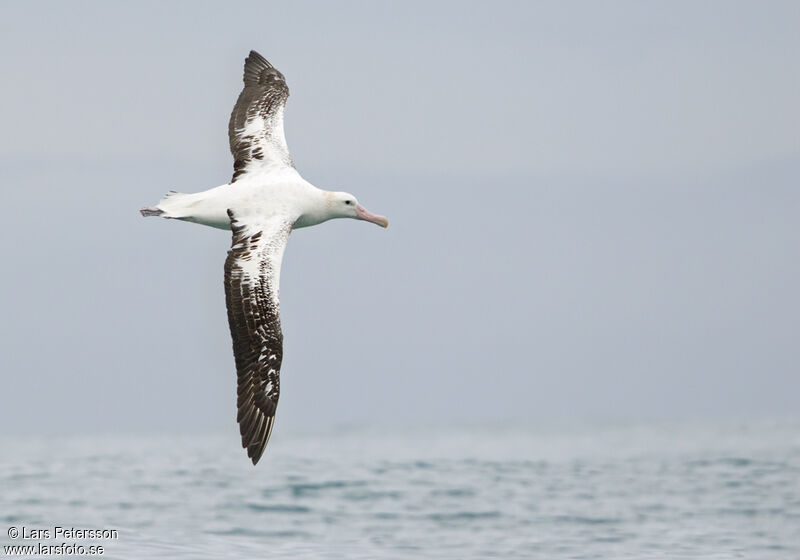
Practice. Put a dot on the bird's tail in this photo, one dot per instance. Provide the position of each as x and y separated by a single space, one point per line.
168 207
148 211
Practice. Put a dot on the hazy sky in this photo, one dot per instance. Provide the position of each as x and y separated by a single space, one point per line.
594 212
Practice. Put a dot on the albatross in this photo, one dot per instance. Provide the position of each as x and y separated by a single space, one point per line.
265 200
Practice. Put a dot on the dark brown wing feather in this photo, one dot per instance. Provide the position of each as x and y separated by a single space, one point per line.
255 130
252 272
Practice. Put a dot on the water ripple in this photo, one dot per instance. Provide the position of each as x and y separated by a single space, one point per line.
627 493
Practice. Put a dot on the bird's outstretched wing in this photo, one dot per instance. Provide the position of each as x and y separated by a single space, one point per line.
255 130
252 275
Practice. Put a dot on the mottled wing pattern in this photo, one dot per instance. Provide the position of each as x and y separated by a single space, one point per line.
255 130
252 275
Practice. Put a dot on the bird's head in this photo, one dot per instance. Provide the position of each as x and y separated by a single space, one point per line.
345 205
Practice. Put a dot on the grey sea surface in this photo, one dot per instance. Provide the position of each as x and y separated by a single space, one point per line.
660 490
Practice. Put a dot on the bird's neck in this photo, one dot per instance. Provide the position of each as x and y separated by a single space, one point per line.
316 208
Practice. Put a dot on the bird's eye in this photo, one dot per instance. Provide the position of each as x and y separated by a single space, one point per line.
348 202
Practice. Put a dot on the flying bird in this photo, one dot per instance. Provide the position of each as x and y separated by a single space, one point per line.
265 200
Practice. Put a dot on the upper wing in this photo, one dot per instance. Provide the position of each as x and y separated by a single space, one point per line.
252 274
255 130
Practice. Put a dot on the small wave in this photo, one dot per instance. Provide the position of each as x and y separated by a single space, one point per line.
609 539
371 495
306 488
464 515
728 461
282 508
736 461
454 492
16 477
751 511
243 532
32 501
585 520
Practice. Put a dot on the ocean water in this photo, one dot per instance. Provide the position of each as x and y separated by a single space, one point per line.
691 490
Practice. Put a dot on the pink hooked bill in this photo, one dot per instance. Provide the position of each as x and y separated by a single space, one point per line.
364 214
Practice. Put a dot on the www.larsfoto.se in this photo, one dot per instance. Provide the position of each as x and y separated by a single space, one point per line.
63 549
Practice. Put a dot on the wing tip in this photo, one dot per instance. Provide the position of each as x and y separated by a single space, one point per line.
256 450
256 447
255 65
257 56
255 457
